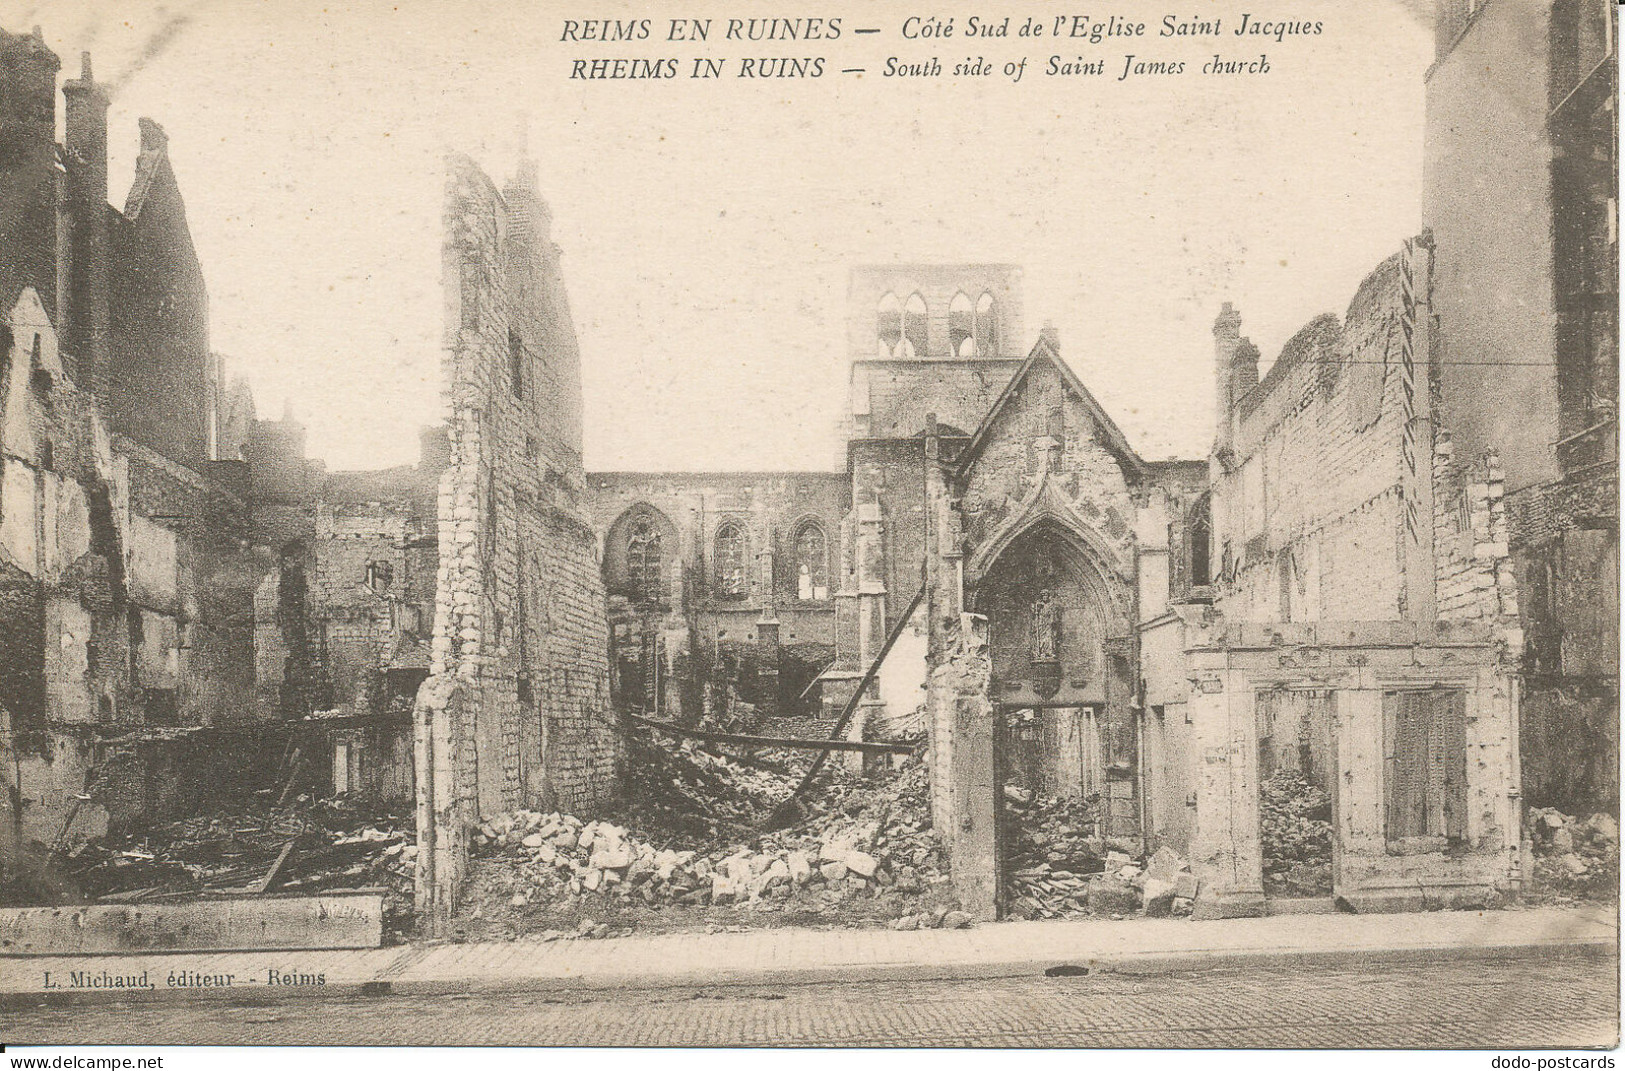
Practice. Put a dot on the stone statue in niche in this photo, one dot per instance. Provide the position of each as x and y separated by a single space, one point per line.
1046 617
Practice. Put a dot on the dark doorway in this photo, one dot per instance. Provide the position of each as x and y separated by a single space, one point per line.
1297 786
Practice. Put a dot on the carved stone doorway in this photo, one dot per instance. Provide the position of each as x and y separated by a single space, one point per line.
1058 691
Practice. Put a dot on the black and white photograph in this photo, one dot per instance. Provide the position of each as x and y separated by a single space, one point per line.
705 524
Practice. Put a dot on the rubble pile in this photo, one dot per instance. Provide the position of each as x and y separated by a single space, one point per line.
1059 863
686 789
1295 828
1576 859
1051 847
308 846
871 848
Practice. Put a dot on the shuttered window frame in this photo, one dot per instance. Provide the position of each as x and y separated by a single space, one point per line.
1424 769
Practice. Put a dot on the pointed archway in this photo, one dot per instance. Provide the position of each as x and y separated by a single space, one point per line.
1058 719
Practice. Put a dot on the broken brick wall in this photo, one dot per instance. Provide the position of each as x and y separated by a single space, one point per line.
1565 549
516 710
131 590
372 588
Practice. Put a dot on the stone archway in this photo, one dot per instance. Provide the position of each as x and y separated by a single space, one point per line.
1058 679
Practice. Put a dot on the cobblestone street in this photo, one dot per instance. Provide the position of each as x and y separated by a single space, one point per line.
1541 1000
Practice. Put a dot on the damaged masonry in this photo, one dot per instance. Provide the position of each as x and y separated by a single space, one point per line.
1362 655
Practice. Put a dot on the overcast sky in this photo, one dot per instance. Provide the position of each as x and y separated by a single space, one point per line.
707 227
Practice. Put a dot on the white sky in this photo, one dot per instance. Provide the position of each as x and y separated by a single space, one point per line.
707 227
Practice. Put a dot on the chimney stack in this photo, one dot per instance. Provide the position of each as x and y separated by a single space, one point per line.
1049 334
1226 341
85 145
28 195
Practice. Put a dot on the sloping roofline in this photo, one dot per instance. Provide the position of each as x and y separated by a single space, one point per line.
1045 350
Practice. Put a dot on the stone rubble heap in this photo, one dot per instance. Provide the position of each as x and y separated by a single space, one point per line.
873 840
1575 858
686 789
1060 864
1295 831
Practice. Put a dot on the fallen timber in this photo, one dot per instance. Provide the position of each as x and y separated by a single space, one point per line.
868 747
788 811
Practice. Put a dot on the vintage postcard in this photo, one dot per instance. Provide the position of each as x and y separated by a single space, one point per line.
1009 523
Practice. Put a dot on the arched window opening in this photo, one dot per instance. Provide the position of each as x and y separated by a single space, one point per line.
914 327
644 567
987 326
962 327
812 563
39 377
889 325
730 556
1201 544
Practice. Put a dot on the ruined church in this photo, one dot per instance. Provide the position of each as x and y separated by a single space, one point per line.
1367 585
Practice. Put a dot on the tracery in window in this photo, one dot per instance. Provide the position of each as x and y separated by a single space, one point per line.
812 563
730 561
644 567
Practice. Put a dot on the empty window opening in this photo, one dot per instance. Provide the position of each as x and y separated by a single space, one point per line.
914 327
812 563
1201 543
516 363
730 557
987 326
962 326
380 575
889 325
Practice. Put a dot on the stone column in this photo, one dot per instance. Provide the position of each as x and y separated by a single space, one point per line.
870 550
1224 835
767 661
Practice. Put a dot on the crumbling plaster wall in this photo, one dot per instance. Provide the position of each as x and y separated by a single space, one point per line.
129 596
1316 474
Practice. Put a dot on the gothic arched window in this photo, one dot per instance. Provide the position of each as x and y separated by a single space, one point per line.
914 327
730 558
812 563
962 338
644 567
987 326
889 325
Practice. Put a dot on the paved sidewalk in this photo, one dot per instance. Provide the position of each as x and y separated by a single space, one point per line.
790 956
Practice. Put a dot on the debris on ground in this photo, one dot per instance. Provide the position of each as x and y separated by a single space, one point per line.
1575 859
305 846
1060 864
1052 846
685 788
1295 829
865 856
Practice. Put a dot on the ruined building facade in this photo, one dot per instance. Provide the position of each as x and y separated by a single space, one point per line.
192 607
1520 188
516 709
128 558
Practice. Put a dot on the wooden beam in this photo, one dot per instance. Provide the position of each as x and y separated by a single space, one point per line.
873 747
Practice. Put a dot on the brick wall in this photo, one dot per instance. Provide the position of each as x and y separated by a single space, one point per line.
1315 487
516 711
